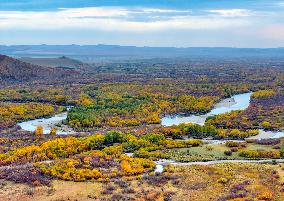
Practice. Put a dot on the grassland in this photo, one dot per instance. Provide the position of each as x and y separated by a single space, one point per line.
212 152
236 182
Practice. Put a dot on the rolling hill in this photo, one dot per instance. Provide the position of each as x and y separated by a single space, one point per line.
13 71
58 62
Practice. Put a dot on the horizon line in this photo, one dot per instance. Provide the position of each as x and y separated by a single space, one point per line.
137 46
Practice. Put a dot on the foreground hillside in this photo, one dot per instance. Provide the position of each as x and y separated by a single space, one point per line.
229 182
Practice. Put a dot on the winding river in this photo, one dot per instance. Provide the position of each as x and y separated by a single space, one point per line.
236 102
48 124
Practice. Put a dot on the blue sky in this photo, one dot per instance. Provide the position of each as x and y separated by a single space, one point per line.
179 23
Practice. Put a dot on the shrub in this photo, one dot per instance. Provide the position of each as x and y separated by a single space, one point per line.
267 141
265 195
234 149
209 148
121 184
113 137
154 138
113 150
228 153
29 175
259 154
117 197
128 190
222 180
142 153
266 124
232 144
53 131
235 132
135 166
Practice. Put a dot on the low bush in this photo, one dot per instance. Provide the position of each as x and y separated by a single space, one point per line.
267 141
232 144
228 153
24 174
259 154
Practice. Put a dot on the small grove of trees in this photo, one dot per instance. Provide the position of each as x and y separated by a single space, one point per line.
235 144
113 137
266 124
198 131
263 93
82 167
84 100
195 130
39 131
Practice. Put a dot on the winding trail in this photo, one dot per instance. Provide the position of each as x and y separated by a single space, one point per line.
13 166
161 163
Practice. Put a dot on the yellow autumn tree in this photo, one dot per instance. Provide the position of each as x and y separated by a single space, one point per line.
53 131
126 167
39 131
265 124
84 100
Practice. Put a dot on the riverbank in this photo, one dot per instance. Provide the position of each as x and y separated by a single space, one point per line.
267 135
236 102
48 124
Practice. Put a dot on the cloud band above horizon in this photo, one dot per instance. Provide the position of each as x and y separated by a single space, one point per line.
244 27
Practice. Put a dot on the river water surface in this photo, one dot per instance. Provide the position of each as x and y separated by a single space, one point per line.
48 124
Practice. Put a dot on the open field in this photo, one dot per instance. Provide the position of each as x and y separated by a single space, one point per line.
199 183
211 152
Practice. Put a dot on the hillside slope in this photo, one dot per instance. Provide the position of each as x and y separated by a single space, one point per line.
59 62
16 71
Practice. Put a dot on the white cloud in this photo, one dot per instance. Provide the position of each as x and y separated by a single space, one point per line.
155 10
93 12
117 18
67 13
233 12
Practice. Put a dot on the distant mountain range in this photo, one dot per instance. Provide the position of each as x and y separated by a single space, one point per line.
94 53
15 71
